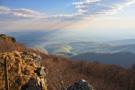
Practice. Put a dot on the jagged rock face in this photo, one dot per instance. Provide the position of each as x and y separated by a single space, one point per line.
40 83
37 60
81 85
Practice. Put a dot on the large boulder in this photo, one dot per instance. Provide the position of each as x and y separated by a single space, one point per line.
81 85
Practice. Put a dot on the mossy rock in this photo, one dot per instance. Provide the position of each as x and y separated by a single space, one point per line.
19 71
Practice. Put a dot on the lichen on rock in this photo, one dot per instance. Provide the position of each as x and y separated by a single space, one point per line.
21 69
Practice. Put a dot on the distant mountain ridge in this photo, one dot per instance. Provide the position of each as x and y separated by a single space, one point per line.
123 59
121 42
67 47
74 48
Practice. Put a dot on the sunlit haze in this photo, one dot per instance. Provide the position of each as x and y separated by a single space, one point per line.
110 19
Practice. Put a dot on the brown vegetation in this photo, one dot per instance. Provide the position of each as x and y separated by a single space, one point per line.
65 72
19 70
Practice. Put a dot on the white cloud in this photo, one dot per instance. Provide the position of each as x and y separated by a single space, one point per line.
19 14
89 1
2 8
97 7
28 13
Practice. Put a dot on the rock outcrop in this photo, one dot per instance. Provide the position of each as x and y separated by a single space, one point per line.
41 80
40 83
80 85
7 38
23 71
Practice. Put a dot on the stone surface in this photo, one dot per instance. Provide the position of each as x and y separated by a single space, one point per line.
41 80
25 53
37 60
81 85
37 84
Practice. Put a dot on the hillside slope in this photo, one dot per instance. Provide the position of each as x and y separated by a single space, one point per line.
73 48
64 72
123 59
83 47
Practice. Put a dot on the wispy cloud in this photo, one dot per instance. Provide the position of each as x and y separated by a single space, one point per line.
17 14
2 8
98 7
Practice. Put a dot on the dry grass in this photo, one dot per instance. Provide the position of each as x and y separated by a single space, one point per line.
20 70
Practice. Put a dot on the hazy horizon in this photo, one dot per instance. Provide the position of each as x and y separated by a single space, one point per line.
41 38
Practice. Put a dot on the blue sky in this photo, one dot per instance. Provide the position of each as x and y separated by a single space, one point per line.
44 6
92 16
